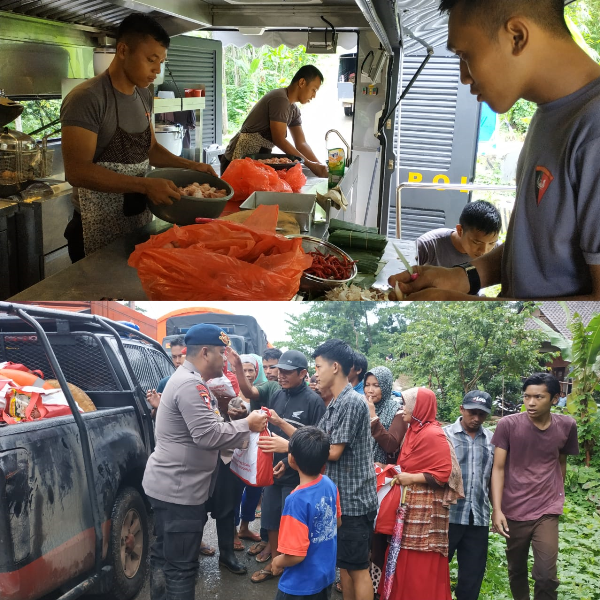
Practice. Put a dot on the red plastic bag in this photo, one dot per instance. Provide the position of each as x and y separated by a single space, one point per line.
20 404
294 176
389 499
252 465
246 176
19 367
222 261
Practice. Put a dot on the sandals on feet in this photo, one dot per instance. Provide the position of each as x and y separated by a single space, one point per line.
257 548
253 537
263 558
263 575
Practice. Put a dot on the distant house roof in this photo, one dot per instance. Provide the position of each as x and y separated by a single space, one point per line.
553 314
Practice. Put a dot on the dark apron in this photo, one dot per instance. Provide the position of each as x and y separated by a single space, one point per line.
106 216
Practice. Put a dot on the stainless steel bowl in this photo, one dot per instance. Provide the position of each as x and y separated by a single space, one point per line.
186 210
313 284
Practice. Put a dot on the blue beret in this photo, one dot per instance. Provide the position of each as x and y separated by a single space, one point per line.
205 334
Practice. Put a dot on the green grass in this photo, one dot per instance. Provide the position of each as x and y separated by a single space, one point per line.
578 559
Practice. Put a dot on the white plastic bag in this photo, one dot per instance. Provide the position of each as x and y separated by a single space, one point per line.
221 387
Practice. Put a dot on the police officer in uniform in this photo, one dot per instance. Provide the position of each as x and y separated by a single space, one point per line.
181 472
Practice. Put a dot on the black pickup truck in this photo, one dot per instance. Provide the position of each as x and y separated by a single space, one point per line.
73 516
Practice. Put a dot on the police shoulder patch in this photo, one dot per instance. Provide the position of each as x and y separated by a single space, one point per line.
205 395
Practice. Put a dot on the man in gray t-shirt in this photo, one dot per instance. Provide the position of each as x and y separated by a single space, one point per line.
267 124
552 250
108 142
475 235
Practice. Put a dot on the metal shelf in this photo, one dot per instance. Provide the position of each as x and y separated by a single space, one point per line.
164 105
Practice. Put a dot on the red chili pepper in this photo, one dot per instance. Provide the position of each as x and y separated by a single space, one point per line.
330 266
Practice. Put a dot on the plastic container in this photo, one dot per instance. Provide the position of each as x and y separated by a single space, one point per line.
300 206
336 164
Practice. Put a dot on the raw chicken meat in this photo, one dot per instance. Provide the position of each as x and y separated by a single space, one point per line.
277 161
204 190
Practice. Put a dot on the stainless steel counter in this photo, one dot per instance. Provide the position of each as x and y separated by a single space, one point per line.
104 274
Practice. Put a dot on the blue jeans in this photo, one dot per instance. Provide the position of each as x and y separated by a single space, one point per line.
250 500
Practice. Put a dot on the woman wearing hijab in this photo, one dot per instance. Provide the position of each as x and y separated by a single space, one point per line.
255 374
433 479
388 429
253 370
387 425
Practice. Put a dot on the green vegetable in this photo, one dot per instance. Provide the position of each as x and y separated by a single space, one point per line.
358 240
336 224
367 262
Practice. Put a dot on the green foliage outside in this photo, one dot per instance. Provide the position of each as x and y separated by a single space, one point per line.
452 347
366 326
38 113
584 15
252 72
456 347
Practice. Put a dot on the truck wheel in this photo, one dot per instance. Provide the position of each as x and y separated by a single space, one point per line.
128 545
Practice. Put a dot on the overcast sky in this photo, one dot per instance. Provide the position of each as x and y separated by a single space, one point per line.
271 316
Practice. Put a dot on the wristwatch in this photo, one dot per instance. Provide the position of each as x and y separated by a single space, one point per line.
473 275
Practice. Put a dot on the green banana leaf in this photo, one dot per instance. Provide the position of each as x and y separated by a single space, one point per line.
564 344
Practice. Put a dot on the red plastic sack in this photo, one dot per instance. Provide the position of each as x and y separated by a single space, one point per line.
294 176
222 261
389 499
41 404
246 176
19 367
252 465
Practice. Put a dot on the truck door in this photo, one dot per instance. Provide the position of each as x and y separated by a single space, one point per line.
435 141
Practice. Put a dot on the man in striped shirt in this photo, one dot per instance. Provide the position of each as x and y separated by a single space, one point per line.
470 517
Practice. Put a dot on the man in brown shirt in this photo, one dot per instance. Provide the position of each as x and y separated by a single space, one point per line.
528 493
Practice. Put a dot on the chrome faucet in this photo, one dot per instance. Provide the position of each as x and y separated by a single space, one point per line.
348 157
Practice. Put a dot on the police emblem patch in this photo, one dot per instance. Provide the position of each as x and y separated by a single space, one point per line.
225 338
205 395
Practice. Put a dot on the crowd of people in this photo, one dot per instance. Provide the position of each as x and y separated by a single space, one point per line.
330 434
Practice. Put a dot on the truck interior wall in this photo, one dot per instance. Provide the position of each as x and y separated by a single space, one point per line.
36 55
364 142
436 141
194 61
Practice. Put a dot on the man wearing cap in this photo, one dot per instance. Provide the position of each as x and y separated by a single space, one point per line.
292 407
470 517
181 472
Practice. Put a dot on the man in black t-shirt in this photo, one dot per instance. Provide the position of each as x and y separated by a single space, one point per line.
292 407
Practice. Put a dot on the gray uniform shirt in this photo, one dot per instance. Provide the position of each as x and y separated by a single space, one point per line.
554 231
273 106
189 434
436 248
91 105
